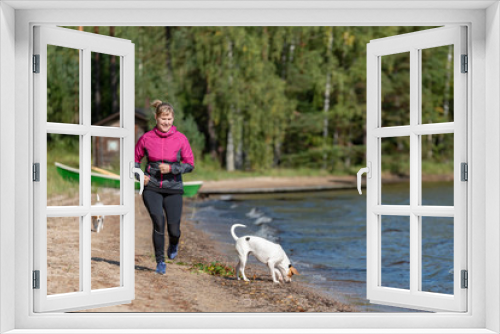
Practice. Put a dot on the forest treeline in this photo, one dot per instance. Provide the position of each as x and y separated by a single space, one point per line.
251 98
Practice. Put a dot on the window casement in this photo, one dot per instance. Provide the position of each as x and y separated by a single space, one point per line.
414 129
474 319
84 132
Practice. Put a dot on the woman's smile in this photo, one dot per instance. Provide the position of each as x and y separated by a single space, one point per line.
164 122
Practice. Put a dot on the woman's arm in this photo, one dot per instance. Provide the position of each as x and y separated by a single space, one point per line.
139 154
186 163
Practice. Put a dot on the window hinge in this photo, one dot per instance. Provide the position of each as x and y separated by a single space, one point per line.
464 171
36 279
36 63
465 279
465 64
36 172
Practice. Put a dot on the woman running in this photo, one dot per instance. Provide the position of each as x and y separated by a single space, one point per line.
168 155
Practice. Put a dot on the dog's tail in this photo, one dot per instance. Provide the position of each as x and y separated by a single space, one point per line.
232 230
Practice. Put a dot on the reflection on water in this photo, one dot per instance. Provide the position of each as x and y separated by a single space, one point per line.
396 251
324 234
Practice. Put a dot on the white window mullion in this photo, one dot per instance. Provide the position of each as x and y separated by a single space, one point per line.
81 255
85 171
85 185
86 254
373 155
406 210
79 130
80 211
66 129
434 211
419 252
108 131
392 210
392 131
422 129
460 156
123 250
81 89
109 210
415 262
127 119
378 253
86 106
434 128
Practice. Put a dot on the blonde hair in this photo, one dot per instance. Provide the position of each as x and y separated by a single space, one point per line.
162 107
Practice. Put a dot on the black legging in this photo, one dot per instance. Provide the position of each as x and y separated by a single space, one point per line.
172 204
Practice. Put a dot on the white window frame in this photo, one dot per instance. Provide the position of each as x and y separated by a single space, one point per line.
483 20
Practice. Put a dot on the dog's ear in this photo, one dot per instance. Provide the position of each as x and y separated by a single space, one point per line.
294 271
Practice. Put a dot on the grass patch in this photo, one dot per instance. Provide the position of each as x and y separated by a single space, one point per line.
214 268
433 168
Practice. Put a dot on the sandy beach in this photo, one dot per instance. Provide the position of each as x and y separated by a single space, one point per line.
184 288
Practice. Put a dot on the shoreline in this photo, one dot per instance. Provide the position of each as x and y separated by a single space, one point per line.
272 184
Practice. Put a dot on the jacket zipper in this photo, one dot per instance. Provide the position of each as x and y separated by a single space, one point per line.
161 182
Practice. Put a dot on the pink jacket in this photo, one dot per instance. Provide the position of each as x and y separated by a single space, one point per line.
159 147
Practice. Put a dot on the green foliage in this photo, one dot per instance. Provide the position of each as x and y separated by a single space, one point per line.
62 85
214 268
268 97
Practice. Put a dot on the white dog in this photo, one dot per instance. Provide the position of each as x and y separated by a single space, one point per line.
97 221
266 252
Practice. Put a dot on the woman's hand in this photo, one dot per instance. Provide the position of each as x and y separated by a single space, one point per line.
146 180
165 168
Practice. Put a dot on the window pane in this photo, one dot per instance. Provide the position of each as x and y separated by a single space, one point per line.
395 156
63 255
395 90
437 84
63 85
437 169
106 252
106 170
437 254
105 89
63 170
395 231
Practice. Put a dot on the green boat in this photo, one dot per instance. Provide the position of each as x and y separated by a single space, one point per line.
113 180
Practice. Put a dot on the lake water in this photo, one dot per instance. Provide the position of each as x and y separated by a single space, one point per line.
324 235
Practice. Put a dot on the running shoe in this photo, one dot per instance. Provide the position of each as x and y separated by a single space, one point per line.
172 251
161 268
